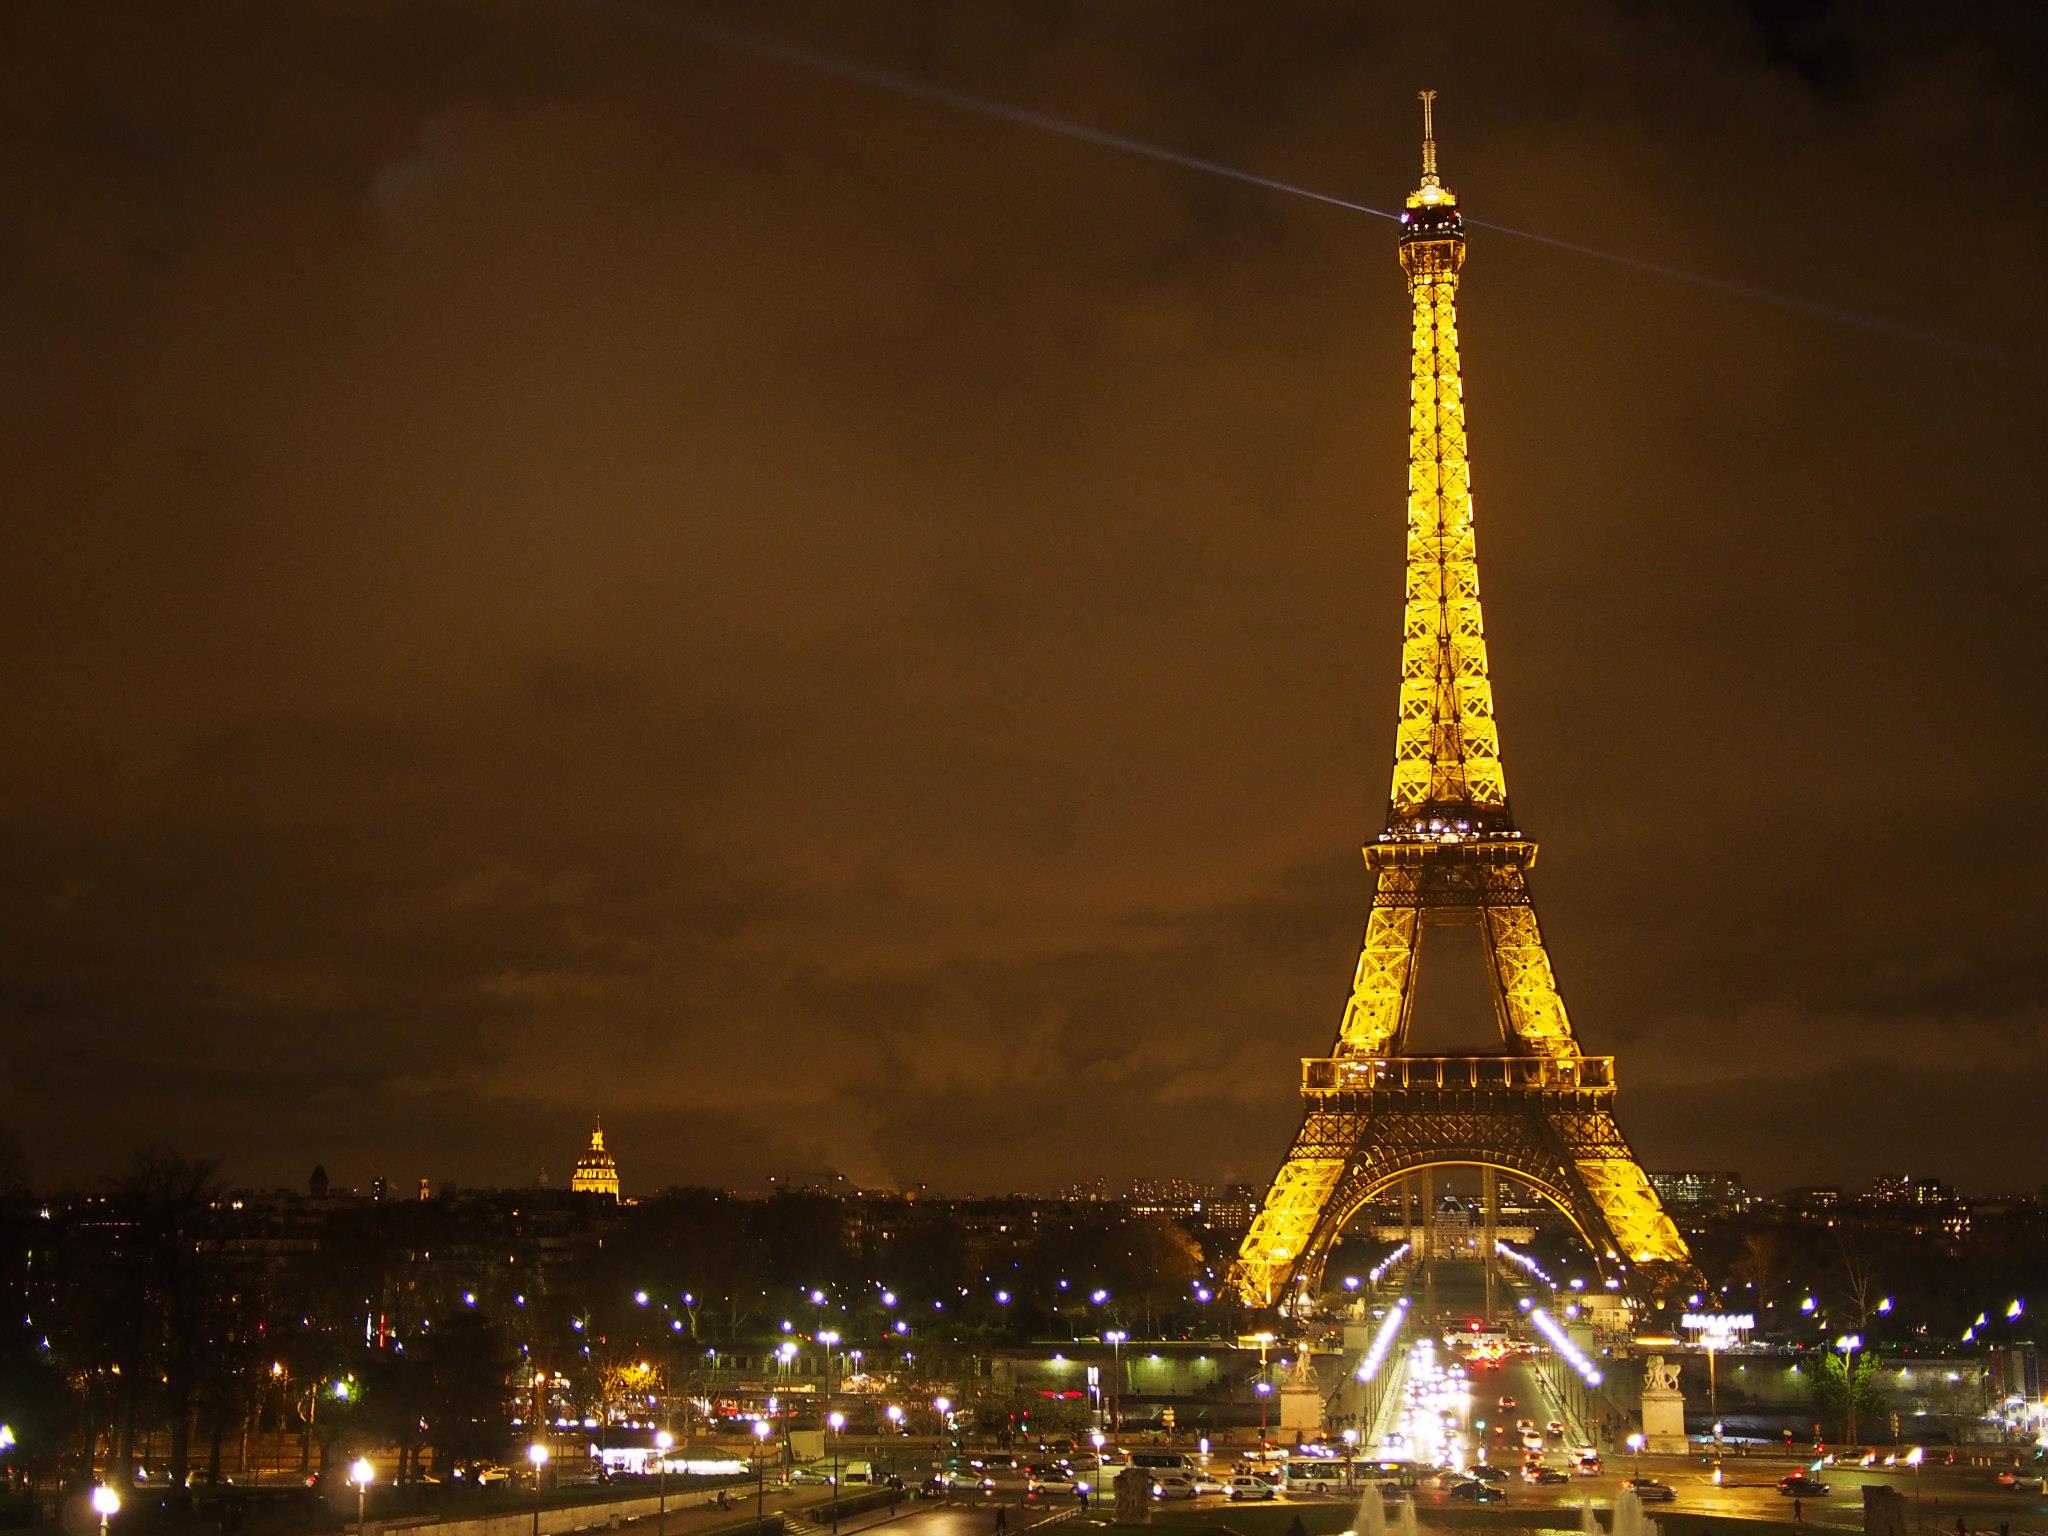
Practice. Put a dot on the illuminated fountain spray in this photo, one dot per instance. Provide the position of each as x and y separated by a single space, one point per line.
1405 1523
1629 1519
1371 1519
1589 1523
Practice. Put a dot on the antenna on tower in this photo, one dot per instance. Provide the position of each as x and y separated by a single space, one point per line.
1428 134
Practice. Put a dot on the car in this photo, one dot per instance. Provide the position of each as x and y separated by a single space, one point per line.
1649 1490
1555 1427
1801 1485
1510 1402
1173 1485
959 1480
2023 1482
1545 1476
1490 1474
1476 1492
1206 1483
1532 1443
1243 1488
1589 1466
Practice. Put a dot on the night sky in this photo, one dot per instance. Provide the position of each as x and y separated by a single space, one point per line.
556 565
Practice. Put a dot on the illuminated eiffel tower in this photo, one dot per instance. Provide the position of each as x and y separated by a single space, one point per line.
1451 853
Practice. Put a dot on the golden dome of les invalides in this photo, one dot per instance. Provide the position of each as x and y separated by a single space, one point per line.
596 1171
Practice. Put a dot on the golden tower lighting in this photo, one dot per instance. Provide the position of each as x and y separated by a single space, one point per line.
1451 852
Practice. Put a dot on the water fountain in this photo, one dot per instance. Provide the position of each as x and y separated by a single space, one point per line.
1629 1519
1405 1523
1589 1523
1371 1519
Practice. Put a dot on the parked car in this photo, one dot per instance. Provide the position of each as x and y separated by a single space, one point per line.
1649 1490
1243 1488
1801 1485
1476 1492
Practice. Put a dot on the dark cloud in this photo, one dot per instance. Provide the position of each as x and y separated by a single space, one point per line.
559 566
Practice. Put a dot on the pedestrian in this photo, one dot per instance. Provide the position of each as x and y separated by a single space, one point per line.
1798 1510
1002 1520
1961 1529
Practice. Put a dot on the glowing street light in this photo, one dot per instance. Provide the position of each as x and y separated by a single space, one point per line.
1635 1443
835 1422
663 1440
108 1503
537 1455
762 1430
362 1474
1114 1338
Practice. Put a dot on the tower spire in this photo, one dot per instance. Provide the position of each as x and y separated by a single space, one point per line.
1428 135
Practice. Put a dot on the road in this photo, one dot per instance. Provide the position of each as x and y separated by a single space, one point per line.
1748 1484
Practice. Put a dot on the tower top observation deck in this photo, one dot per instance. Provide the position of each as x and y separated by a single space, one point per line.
1431 211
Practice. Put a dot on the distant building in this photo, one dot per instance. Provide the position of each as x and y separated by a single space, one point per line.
1816 1202
1906 1189
596 1171
1694 1189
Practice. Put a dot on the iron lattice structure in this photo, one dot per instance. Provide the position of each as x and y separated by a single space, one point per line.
1451 853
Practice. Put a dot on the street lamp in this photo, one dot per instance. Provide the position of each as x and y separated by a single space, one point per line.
537 1454
1115 1339
762 1430
108 1503
829 1337
835 1422
1635 1443
663 1440
941 1408
362 1474
1264 1341
1848 1344
1350 1446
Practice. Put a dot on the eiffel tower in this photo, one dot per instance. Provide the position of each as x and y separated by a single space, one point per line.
1451 854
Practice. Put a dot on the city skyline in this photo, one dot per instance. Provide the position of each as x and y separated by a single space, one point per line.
842 632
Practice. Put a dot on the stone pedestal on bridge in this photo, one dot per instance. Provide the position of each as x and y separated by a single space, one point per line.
1301 1400
1663 1409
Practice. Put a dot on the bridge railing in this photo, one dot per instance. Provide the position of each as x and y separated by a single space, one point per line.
1381 1074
